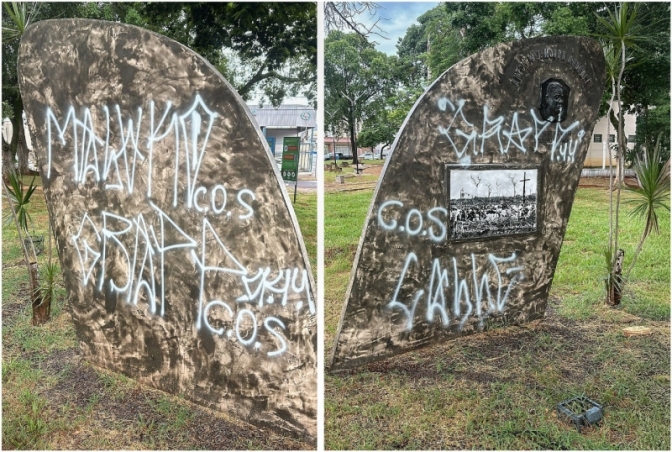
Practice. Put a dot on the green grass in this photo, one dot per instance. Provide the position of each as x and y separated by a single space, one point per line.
346 213
306 212
498 390
581 286
349 172
53 400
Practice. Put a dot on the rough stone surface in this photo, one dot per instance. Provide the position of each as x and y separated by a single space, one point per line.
525 108
181 254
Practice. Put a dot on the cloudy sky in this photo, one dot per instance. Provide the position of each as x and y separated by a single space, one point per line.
395 18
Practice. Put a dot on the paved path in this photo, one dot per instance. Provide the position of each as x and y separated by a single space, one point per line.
303 185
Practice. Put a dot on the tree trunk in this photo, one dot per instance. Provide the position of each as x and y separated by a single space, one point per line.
619 154
7 163
41 307
22 153
615 283
353 137
17 124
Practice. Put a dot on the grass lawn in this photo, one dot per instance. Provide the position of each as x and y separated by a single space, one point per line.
369 174
498 390
52 399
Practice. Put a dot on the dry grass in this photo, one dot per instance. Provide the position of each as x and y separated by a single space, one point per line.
52 399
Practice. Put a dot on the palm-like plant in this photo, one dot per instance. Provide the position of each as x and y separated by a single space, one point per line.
18 12
20 199
652 194
18 202
622 30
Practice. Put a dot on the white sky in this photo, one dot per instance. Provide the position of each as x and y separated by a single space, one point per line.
461 179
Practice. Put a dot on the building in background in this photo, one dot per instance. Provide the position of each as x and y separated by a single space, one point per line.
277 123
341 144
598 152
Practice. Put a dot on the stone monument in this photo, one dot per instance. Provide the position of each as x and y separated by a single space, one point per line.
466 223
182 257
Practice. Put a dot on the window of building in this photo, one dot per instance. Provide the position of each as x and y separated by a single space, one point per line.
612 138
631 138
597 138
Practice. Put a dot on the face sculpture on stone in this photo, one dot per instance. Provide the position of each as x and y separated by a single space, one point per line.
466 223
182 258
554 100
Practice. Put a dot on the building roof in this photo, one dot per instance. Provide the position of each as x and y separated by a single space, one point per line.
284 115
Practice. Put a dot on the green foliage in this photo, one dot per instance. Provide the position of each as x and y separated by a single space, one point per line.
276 43
646 86
19 200
48 279
622 27
653 193
357 77
651 120
652 196
21 18
481 25
564 21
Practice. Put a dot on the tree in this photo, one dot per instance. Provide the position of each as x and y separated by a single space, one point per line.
646 84
514 182
356 76
387 114
17 18
430 48
276 43
345 16
476 181
379 131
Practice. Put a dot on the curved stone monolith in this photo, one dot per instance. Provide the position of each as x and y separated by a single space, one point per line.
466 224
182 258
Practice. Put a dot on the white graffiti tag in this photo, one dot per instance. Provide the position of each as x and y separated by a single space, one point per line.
515 133
485 293
128 254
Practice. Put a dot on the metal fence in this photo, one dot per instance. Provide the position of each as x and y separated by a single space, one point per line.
307 159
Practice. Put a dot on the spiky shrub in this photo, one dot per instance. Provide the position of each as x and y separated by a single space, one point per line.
651 196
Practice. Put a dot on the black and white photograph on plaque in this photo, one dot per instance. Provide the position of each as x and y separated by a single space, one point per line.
491 203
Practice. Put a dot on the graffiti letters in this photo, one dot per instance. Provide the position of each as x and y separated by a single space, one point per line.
482 290
128 255
431 224
519 132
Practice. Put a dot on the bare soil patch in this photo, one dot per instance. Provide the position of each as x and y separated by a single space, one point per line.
130 416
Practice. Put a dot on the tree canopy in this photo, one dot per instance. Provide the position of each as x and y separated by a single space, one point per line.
357 77
274 44
267 49
452 31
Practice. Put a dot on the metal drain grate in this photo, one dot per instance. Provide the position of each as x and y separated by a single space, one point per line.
580 411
